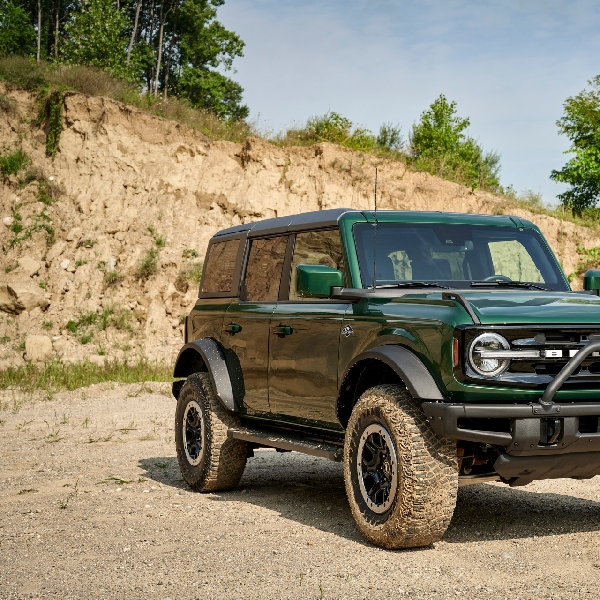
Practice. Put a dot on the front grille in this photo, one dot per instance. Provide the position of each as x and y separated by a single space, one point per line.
560 343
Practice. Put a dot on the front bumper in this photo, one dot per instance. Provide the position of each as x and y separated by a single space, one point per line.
530 452
525 437
526 454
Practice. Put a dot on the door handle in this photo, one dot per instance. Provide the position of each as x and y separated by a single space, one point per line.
283 330
232 328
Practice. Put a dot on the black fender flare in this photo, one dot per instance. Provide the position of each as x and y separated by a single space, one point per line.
213 358
407 366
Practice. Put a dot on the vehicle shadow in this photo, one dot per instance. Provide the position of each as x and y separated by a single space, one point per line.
311 492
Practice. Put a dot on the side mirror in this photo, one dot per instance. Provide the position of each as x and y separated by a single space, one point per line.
591 281
316 281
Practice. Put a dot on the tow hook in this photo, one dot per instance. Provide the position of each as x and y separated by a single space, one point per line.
550 431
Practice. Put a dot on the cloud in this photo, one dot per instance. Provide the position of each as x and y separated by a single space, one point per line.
509 65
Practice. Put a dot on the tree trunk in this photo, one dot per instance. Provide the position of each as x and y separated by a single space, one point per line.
151 44
160 40
39 31
134 32
56 31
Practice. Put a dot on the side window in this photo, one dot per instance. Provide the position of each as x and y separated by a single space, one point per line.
511 259
263 272
220 267
316 248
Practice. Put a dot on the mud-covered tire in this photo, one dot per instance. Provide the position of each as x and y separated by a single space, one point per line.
208 459
388 433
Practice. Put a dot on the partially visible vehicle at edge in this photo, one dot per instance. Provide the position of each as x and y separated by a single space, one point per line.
423 350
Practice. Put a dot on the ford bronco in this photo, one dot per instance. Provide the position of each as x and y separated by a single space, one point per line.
423 350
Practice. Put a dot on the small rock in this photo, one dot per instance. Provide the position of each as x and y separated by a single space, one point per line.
51 178
37 348
8 221
56 251
111 264
60 343
170 292
74 234
112 228
506 556
30 266
64 264
20 296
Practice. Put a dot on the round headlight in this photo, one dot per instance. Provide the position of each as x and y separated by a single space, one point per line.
488 366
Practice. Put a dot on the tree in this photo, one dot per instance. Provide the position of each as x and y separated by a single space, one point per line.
205 46
439 144
166 46
96 36
581 124
17 35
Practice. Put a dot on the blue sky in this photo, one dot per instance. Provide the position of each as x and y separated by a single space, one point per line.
508 64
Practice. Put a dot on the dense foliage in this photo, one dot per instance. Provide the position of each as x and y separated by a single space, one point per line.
337 129
17 35
439 145
165 46
581 124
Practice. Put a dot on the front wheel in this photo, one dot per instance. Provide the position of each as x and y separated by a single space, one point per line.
401 479
208 459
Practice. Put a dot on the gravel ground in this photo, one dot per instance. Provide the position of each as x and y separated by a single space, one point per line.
92 506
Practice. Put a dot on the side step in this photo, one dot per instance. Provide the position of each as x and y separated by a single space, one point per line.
287 441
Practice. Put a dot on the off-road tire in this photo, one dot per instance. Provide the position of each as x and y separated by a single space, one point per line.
218 462
418 512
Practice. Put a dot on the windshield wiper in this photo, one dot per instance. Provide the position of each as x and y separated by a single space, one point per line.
517 284
412 284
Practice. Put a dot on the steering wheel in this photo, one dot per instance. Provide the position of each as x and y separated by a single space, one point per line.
497 278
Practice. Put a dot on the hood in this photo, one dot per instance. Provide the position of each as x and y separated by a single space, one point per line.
515 307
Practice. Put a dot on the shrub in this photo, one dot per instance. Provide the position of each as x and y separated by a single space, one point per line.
390 138
191 274
148 266
13 162
440 146
113 278
23 72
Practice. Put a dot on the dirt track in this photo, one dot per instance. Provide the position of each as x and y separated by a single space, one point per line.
92 505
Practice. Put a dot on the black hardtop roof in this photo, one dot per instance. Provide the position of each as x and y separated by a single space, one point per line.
307 220
330 217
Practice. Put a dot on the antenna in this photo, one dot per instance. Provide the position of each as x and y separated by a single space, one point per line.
375 238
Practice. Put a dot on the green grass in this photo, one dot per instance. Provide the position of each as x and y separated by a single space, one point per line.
44 77
148 265
192 273
89 322
13 161
57 376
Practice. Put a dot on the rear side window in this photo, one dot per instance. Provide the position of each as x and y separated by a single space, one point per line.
220 267
263 272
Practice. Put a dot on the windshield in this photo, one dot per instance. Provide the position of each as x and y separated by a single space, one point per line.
455 255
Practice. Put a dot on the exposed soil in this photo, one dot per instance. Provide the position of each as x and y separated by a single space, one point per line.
131 189
92 505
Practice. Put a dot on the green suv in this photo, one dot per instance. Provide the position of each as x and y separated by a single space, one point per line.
423 350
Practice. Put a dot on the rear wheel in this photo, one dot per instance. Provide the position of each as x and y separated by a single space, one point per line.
208 459
401 479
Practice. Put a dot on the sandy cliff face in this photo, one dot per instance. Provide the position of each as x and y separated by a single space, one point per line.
137 190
